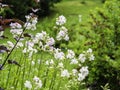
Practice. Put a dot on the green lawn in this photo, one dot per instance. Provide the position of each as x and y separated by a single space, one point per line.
71 9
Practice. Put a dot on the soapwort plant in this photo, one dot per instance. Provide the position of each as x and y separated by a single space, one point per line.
35 62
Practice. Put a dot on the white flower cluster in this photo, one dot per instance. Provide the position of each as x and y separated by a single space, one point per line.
70 54
37 83
31 22
28 84
44 41
74 61
40 37
60 20
83 73
65 73
62 34
58 54
80 74
16 29
10 45
86 55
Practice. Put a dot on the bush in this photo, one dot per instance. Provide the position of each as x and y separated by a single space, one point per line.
105 26
21 8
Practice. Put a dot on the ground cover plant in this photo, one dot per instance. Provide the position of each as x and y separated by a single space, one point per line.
64 53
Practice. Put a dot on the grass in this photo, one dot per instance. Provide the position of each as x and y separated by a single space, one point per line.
71 9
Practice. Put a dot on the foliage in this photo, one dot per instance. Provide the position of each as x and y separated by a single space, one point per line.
21 8
105 35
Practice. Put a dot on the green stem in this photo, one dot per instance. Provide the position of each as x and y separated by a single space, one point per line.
54 77
47 71
7 81
23 74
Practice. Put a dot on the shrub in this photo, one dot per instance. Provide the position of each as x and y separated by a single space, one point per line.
21 8
105 35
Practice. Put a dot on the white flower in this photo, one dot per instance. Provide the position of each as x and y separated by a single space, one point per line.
91 57
82 58
24 50
40 44
62 34
70 54
84 71
27 17
35 40
60 65
39 84
66 38
28 84
36 79
47 62
27 25
41 36
30 54
33 27
89 50
74 61
34 21
31 22
16 31
50 41
29 45
19 44
59 55
58 37
15 25
51 62
80 77
60 20
10 44
74 72
33 63
65 73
